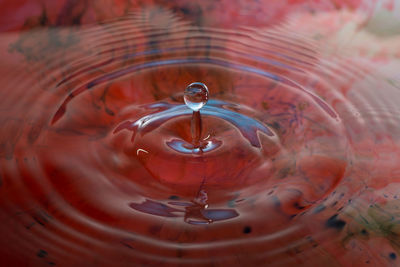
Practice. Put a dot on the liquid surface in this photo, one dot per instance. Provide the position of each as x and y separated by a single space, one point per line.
297 162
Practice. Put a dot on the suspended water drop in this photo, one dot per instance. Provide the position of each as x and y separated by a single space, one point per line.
196 96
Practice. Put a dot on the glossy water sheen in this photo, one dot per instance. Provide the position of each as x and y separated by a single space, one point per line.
298 156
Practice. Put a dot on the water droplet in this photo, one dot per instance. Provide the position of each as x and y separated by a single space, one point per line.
196 96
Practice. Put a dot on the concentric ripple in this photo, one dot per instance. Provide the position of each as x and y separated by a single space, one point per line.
97 167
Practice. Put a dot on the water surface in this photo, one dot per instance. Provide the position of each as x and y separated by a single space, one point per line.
300 164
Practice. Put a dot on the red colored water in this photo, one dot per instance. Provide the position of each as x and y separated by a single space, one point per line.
299 159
